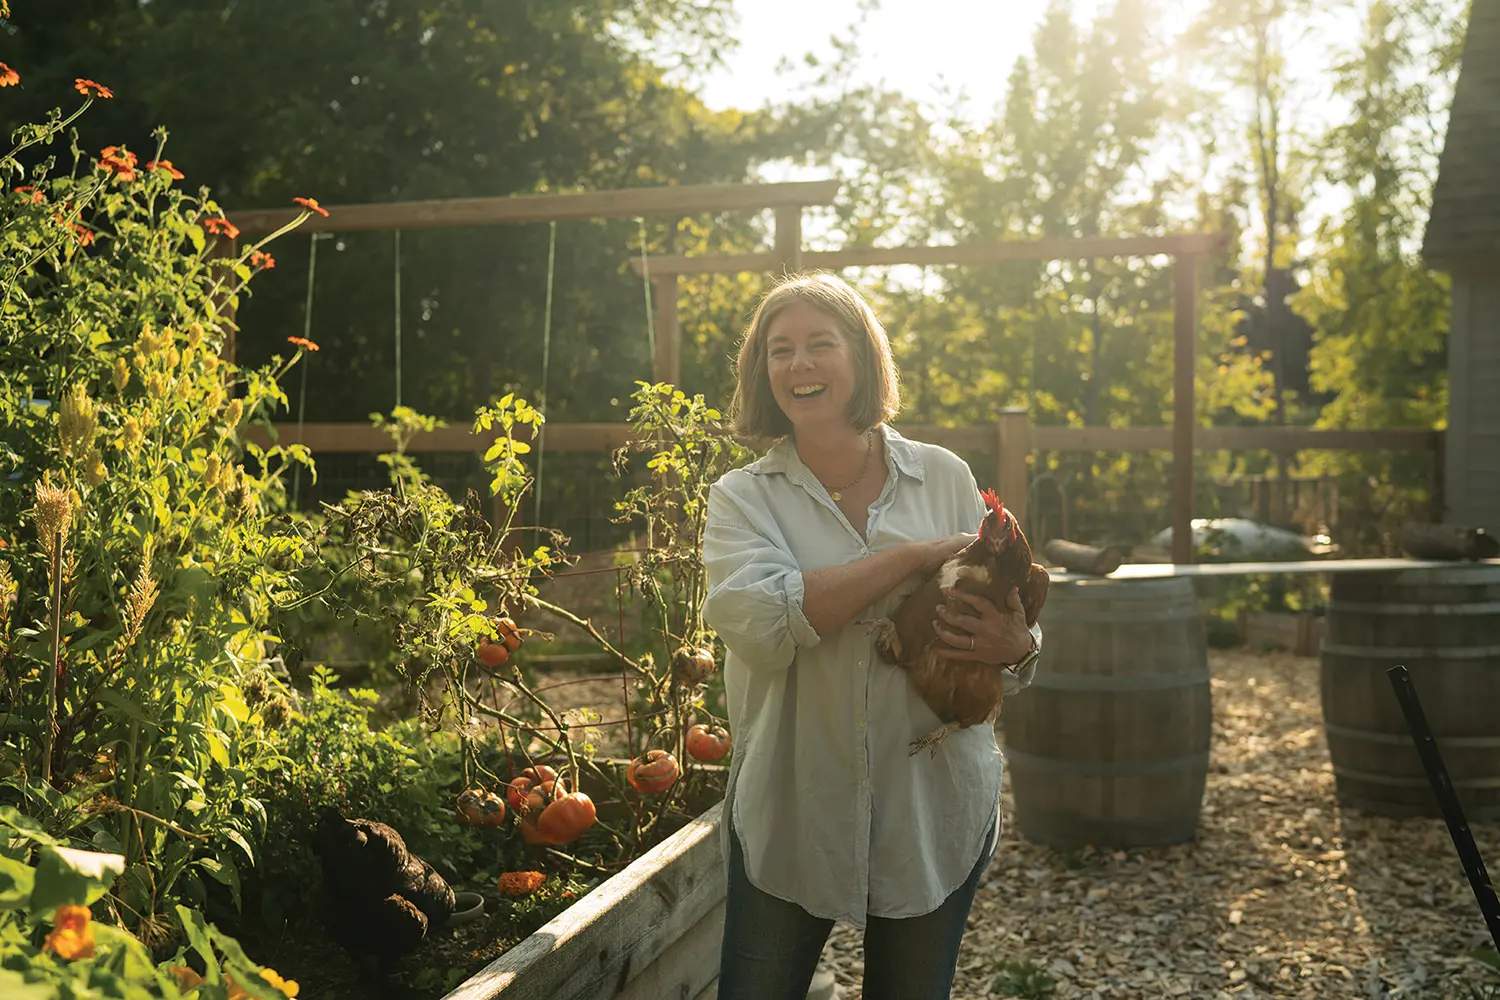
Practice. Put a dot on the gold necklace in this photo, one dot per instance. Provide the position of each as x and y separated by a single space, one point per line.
838 494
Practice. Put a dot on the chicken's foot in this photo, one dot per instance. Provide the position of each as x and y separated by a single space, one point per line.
934 739
887 639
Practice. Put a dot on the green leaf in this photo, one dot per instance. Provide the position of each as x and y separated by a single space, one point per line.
132 711
239 840
68 876
195 234
197 934
218 751
16 881
14 987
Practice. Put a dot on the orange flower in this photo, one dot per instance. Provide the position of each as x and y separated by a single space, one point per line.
84 233
187 977
121 161
262 260
221 227
302 342
167 166
36 196
8 76
71 936
520 883
311 204
88 88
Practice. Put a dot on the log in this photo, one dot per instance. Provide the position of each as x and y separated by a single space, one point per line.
1447 541
1076 557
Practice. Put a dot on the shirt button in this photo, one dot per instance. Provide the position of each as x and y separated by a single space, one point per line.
861 723
864 549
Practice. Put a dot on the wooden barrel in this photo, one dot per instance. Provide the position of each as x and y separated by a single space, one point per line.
1109 745
1444 626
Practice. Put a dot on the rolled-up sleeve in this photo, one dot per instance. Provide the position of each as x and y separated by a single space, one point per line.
755 588
1016 681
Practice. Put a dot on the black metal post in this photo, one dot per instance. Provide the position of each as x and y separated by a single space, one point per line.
1442 787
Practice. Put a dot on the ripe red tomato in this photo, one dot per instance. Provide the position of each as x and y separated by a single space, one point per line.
652 773
509 636
530 793
491 654
709 744
567 818
478 807
693 666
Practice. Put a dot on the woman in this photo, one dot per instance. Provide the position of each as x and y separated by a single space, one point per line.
827 817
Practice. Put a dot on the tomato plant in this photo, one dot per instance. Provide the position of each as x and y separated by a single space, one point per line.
654 771
709 744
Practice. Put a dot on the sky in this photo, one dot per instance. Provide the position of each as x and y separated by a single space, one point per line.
915 46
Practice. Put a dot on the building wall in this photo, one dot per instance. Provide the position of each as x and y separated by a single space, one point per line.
1472 474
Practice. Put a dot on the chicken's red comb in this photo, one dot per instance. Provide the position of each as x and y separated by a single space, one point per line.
992 499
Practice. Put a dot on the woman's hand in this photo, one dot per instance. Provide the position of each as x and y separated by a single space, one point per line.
979 632
936 552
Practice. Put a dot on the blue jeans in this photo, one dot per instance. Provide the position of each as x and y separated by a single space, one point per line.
771 947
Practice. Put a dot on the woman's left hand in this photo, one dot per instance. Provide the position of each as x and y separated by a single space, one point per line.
978 632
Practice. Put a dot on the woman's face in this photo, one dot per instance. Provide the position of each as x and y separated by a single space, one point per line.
811 366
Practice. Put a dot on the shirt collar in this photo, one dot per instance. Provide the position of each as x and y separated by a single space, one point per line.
783 458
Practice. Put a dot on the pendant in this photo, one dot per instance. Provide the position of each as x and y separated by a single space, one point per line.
837 495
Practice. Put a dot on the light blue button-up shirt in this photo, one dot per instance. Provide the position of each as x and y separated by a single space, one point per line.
829 809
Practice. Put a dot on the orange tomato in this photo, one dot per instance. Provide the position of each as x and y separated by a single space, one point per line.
478 807
693 666
492 654
709 744
567 818
654 772
509 637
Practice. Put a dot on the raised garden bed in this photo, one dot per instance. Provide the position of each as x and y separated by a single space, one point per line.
652 930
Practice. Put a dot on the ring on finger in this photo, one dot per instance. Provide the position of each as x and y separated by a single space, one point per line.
971 644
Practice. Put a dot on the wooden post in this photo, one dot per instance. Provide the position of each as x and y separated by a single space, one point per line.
668 361
788 249
1185 326
1012 449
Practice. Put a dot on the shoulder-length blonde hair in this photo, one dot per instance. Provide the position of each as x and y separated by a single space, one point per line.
877 393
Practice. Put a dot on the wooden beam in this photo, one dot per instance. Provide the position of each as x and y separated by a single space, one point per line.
1184 413
788 250
579 437
668 360
624 203
974 253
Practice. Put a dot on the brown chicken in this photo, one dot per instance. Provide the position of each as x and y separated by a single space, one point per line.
963 693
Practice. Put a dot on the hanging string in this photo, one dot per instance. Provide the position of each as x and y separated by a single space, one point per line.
312 273
398 317
646 283
541 451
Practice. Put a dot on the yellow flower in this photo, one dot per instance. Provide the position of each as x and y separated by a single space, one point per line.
54 512
71 936
122 374
132 435
195 335
288 987
77 421
94 473
211 472
233 413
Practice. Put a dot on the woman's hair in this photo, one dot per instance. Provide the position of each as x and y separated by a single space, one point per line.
877 395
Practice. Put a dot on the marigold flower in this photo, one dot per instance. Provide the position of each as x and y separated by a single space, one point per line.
167 166
84 233
37 197
88 88
311 204
302 342
71 936
262 260
221 227
8 76
520 883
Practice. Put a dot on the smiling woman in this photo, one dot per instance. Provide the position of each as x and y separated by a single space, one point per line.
827 817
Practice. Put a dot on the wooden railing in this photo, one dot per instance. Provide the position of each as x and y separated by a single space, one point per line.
1010 442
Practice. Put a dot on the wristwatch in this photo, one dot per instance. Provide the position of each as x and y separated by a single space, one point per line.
1029 658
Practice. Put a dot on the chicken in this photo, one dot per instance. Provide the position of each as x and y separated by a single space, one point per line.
963 693
379 899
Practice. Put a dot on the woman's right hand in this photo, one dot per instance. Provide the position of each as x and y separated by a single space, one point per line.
936 552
